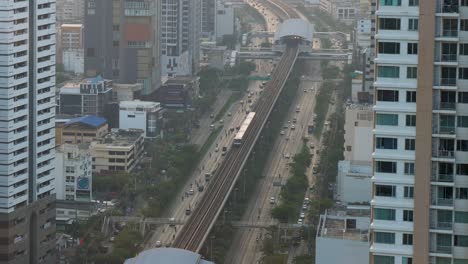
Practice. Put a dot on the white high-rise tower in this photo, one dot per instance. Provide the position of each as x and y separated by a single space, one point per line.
27 111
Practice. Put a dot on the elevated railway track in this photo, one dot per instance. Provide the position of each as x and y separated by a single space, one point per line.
196 229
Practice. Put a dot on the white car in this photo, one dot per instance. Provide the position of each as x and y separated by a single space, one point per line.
229 114
272 200
300 222
158 244
191 192
282 132
302 215
287 156
293 127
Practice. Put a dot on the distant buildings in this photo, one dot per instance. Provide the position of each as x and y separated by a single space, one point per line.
73 181
118 151
354 180
180 37
122 41
87 97
224 20
178 91
70 11
343 235
81 130
71 49
142 115
208 15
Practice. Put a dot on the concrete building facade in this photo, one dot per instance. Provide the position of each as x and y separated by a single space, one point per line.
140 115
224 20
180 37
124 47
73 180
119 150
27 84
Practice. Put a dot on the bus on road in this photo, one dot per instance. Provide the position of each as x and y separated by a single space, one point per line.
245 125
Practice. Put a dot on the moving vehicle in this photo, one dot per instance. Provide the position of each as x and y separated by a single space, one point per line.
282 132
172 221
298 109
293 127
201 188
245 125
272 200
212 127
188 211
207 177
158 244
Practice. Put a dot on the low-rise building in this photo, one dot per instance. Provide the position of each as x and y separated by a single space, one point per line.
359 124
73 180
126 92
73 183
79 130
178 91
87 97
354 182
119 150
140 115
343 235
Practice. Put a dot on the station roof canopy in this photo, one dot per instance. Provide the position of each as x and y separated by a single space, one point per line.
293 28
167 255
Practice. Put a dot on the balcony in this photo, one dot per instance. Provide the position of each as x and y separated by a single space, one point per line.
447 8
448 154
449 130
442 202
443 225
443 249
448 81
439 177
450 106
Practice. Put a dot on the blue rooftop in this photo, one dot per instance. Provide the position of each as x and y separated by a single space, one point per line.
90 120
95 80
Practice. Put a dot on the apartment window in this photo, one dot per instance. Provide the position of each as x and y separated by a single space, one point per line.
462 121
387 119
410 120
384 237
385 166
386 143
384 259
463 73
385 190
460 261
413 24
463 97
413 3
390 2
461 193
409 168
464 25
411 72
462 145
461 217
388 71
407 239
389 23
384 214
406 260
460 241
462 169
408 192
408 215
413 48
387 95
463 49
464 2
410 144
389 48
411 96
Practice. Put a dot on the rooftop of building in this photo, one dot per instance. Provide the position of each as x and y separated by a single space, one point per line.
179 80
350 222
167 255
120 137
89 120
138 103
73 86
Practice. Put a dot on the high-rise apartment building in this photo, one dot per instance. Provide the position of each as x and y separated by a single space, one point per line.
122 41
420 184
180 37
208 17
27 112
